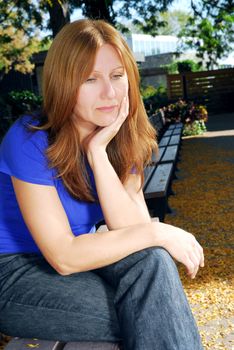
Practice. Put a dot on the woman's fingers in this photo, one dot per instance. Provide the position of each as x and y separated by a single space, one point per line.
195 259
102 136
123 112
202 259
193 264
184 247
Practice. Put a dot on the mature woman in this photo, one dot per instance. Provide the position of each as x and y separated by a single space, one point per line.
64 171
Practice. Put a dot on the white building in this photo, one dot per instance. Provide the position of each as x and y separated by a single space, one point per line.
149 45
146 45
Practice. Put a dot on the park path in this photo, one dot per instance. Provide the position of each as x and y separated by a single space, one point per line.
204 205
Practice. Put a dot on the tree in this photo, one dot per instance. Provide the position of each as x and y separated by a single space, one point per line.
210 31
144 14
18 37
174 21
16 50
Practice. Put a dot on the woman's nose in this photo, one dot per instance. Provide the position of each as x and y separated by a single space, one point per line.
108 90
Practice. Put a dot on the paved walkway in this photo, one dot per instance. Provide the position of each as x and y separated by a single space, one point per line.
221 126
204 205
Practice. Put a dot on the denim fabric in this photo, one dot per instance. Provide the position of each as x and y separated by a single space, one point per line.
138 299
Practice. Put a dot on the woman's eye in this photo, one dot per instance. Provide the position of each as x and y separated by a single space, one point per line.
117 76
90 80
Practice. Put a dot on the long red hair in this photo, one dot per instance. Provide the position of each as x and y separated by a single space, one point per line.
68 64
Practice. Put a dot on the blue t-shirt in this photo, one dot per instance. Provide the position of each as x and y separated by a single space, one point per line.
22 155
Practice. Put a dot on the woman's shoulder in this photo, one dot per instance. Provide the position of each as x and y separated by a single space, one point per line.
20 134
23 152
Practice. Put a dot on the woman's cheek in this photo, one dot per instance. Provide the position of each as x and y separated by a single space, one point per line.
123 88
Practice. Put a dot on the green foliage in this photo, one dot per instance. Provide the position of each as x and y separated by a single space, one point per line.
148 91
210 31
192 115
188 66
174 21
23 101
144 13
15 104
18 35
198 127
153 97
183 66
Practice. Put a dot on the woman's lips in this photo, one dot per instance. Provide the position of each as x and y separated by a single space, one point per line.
106 108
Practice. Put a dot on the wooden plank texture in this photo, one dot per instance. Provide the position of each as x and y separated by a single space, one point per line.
158 185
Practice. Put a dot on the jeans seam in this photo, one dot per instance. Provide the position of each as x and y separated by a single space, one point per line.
135 322
52 309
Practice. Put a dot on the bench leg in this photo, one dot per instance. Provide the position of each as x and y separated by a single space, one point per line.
157 207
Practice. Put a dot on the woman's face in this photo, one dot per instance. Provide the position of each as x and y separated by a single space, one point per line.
100 96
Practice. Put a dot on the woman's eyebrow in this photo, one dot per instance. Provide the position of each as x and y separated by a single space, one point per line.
96 71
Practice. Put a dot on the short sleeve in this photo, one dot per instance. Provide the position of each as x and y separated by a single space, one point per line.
22 154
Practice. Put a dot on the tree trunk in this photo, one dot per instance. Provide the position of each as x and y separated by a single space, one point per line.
99 9
59 15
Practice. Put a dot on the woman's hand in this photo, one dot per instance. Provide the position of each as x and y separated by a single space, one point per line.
100 138
184 247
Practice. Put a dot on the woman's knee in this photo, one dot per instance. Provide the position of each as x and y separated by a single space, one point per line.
157 260
162 259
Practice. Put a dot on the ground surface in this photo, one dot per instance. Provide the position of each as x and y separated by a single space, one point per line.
204 205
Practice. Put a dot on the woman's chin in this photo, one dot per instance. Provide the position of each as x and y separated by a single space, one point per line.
107 121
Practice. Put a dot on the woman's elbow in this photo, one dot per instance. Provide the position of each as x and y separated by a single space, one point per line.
62 267
62 270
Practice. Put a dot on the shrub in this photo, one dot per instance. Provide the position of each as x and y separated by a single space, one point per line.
198 127
23 101
183 66
188 66
14 104
153 97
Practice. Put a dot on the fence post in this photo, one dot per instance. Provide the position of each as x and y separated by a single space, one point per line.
185 91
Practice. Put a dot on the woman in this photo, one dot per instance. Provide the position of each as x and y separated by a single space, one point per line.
62 173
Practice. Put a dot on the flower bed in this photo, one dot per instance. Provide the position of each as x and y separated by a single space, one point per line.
193 116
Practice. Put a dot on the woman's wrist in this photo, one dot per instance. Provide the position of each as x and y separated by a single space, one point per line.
160 234
96 156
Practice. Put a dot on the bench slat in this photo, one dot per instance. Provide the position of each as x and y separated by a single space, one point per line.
170 154
177 131
91 346
148 172
159 182
179 125
175 140
164 141
157 158
26 344
168 133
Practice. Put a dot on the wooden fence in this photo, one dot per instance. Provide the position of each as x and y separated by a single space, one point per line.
215 88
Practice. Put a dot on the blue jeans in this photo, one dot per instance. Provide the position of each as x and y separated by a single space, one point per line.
139 300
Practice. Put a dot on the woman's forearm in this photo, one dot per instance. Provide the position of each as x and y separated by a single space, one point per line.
119 209
91 251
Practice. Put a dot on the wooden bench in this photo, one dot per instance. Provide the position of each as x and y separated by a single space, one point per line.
159 175
157 188
29 344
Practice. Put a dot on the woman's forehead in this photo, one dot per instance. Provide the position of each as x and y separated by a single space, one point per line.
107 56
